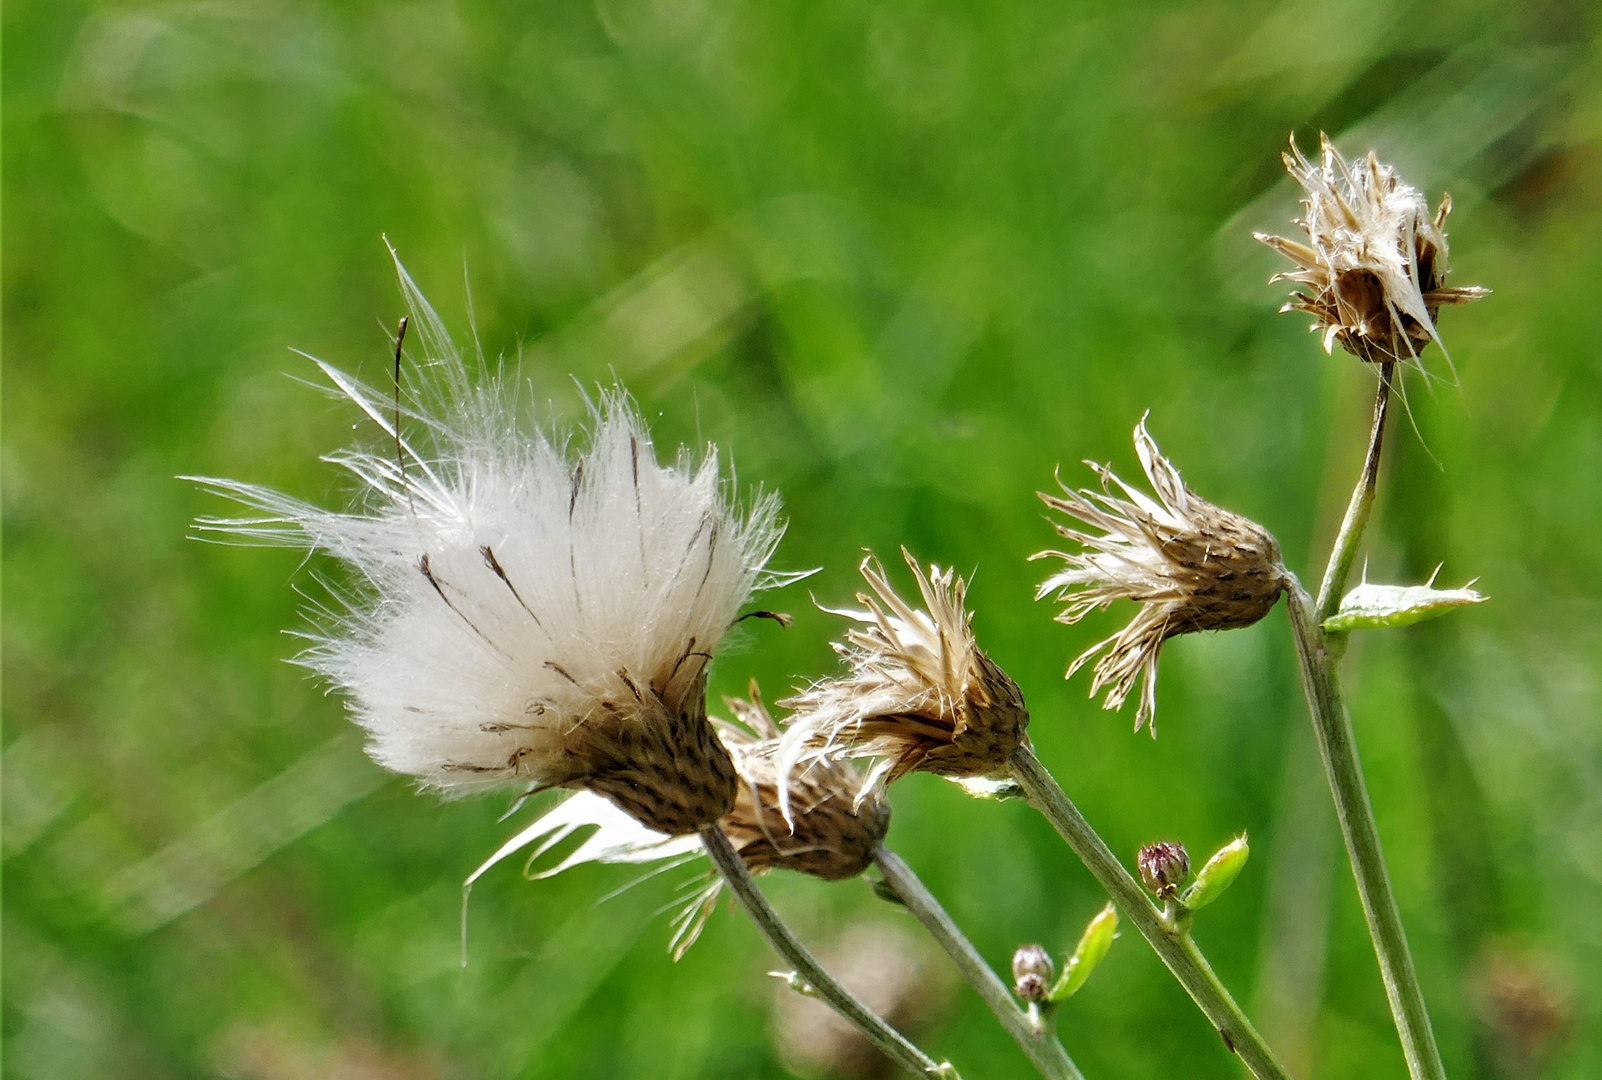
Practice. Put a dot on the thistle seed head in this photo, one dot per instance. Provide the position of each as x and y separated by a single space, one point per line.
1163 866
524 613
920 695
1373 271
1032 972
1191 565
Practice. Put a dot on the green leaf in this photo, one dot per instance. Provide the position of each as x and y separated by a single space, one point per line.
1093 945
1218 875
1368 607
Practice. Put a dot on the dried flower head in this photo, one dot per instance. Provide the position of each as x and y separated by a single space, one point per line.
1373 272
921 694
1163 867
841 818
527 614
838 817
1032 972
1192 565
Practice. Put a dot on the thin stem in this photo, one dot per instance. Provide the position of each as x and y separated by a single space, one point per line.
1171 942
1336 743
1347 541
1030 1030
889 1041
1318 656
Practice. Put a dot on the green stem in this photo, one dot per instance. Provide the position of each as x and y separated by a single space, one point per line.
1171 943
889 1041
1318 655
1032 1031
1338 747
1347 541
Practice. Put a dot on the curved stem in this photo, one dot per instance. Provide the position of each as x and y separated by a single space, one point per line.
1171 943
1339 749
1030 1030
1344 555
889 1041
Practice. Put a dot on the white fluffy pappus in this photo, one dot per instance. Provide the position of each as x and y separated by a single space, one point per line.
524 612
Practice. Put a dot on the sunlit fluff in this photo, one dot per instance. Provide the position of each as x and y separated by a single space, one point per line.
841 818
1192 566
920 694
526 612
1373 270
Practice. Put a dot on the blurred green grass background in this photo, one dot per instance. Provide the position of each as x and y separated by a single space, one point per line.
900 260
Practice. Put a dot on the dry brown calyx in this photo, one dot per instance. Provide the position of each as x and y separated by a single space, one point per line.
920 695
1190 564
1373 270
655 756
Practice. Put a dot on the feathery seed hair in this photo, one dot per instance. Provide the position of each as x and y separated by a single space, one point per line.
921 694
1373 272
1192 566
526 613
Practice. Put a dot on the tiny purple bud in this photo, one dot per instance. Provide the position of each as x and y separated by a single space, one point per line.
1164 866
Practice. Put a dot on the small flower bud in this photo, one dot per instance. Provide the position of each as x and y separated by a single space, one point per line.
1164 866
1032 972
1093 945
1219 873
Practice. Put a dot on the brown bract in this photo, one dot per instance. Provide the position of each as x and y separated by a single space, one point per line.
839 818
921 694
1191 565
1373 270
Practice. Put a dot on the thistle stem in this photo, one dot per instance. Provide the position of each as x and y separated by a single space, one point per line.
1347 541
1033 1031
1172 943
1318 656
887 1039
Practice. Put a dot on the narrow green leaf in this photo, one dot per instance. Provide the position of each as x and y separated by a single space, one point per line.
1368 607
1218 875
1093 945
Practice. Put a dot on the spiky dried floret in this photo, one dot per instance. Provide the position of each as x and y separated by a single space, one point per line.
920 695
837 819
1373 270
1191 565
524 612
